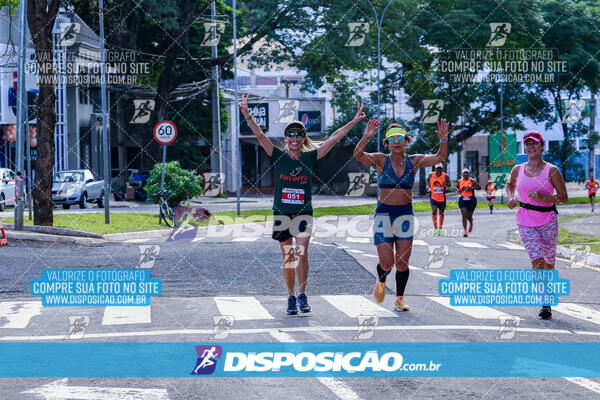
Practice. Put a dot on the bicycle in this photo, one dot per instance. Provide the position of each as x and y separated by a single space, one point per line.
164 210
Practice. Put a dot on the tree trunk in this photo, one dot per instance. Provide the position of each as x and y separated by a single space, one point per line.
40 18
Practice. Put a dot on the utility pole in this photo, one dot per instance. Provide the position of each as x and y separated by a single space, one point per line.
592 138
379 22
502 139
235 143
105 145
21 105
216 161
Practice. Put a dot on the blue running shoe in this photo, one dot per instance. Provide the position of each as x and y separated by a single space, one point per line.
292 307
303 302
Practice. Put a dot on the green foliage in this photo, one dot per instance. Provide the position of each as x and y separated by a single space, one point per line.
180 184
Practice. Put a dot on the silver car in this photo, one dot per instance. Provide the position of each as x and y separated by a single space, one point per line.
7 188
77 186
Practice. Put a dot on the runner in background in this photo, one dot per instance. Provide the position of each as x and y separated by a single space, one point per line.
467 202
491 194
292 206
437 182
535 182
394 218
592 187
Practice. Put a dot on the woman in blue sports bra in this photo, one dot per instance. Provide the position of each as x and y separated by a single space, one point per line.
393 220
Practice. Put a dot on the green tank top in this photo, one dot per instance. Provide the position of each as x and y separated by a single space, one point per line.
293 181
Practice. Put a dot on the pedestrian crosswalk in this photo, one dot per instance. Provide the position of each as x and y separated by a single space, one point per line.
344 309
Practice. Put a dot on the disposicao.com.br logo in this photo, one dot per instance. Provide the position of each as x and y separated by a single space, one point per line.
305 362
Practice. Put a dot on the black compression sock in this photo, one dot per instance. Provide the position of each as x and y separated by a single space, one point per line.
382 274
401 279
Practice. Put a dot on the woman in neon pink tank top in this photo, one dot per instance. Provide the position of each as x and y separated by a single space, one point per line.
535 182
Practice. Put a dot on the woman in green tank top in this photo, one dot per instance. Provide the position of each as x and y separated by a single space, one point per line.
292 206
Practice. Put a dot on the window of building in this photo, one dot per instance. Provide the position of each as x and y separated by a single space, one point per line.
84 95
519 147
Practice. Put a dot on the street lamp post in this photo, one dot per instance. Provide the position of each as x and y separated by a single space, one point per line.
236 123
379 22
502 139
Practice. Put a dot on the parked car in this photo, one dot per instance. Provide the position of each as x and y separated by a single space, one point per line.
7 189
77 186
115 180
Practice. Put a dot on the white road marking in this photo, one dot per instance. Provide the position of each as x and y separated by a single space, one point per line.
242 308
353 306
244 239
473 245
586 383
123 315
419 243
246 332
17 314
355 251
435 274
577 311
137 240
413 267
339 388
358 240
511 246
479 312
370 255
59 389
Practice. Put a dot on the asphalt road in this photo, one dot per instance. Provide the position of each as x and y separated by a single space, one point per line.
202 278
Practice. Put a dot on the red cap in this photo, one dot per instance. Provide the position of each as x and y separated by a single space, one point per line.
533 135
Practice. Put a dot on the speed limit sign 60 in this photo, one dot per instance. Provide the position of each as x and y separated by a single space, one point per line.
165 132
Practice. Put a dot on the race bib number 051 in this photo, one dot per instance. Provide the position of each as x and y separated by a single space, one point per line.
292 196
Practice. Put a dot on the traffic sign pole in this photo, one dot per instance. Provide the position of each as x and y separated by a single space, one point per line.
165 133
162 177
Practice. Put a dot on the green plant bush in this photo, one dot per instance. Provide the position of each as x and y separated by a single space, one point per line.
180 184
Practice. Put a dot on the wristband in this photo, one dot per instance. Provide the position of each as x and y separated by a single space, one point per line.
444 141
249 119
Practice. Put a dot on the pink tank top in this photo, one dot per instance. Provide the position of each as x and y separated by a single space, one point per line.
540 183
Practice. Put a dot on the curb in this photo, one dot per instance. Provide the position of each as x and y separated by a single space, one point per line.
43 237
591 258
118 237
51 230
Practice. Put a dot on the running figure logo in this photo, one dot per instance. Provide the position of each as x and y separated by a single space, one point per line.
358 183
500 31
432 110
579 254
212 186
148 254
207 359
573 111
77 326
68 33
437 255
366 326
142 111
508 326
218 28
358 33
222 326
287 111
292 255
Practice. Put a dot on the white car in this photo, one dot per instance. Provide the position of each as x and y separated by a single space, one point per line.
77 186
7 188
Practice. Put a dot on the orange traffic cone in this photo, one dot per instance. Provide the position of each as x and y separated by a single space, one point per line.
3 239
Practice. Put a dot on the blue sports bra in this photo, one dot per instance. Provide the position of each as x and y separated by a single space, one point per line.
389 180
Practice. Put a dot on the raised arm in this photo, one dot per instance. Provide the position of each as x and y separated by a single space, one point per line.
368 159
476 184
340 133
264 141
422 160
448 184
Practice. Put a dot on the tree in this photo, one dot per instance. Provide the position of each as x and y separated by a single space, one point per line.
40 17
